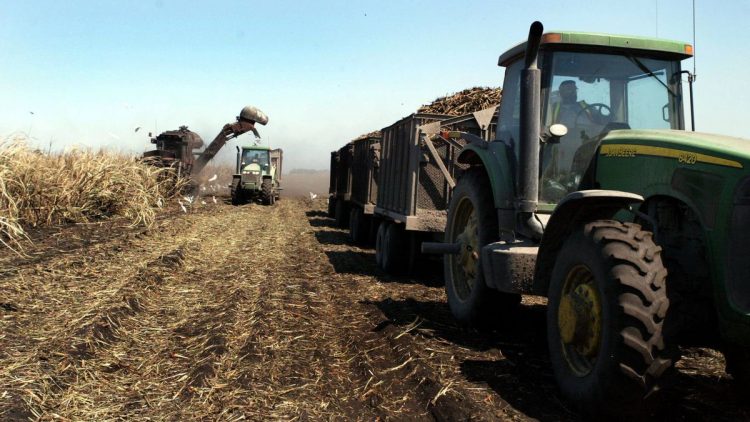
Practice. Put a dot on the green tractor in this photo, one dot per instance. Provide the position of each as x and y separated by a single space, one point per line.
595 196
258 175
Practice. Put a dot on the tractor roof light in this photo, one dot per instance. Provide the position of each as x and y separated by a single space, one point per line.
552 37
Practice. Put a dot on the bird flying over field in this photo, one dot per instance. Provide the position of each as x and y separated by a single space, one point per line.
138 128
214 177
313 195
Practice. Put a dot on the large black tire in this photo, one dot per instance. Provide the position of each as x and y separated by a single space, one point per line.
268 196
607 304
471 301
738 365
358 226
341 214
390 248
380 242
237 197
331 207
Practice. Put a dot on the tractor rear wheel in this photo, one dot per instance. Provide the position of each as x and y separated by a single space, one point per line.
738 365
607 304
472 222
267 194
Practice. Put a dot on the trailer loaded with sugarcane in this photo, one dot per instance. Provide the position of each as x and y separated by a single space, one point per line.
391 187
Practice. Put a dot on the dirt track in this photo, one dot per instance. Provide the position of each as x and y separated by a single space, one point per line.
256 312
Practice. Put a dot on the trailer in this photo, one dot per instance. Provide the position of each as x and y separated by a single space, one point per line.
417 172
340 184
365 169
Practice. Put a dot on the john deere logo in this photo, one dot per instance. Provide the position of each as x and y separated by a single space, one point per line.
683 157
619 152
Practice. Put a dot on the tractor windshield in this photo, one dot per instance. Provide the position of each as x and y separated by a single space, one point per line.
254 156
593 93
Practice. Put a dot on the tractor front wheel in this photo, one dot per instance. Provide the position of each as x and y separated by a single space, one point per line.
607 304
472 223
237 197
267 193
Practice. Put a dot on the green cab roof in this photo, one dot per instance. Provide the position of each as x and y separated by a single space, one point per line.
256 147
599 41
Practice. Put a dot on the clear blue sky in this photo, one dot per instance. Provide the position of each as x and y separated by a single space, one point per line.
324 72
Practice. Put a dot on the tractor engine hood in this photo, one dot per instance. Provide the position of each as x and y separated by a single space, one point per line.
251 168
686 147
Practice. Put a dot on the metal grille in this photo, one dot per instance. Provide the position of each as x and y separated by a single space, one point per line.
344 176
399 164
434 192
362 171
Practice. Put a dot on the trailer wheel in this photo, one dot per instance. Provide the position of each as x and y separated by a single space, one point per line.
266 190
358 230
391 246
380 242
341 214
607 304
331 207
472 223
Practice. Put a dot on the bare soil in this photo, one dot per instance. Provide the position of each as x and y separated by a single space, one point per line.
254 312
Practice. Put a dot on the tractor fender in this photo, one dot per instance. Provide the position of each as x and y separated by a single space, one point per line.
576 209
495 157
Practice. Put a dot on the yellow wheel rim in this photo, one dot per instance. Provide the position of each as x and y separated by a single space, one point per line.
466 233
579 320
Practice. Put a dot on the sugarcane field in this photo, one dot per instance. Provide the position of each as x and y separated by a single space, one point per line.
290 216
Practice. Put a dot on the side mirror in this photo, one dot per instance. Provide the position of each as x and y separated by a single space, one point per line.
553 133
665 112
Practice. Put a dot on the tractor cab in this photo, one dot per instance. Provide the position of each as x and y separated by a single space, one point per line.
254 161
591 84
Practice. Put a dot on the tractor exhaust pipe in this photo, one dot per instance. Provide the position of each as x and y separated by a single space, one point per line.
528 178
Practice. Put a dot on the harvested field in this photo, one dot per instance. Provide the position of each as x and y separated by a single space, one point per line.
253 312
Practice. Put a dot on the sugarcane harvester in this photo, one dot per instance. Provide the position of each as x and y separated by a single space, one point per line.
175 148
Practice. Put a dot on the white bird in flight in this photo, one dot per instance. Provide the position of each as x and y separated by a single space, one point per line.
214 177
313 195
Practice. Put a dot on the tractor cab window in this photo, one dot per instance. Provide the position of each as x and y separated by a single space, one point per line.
592 94
258 157
509 118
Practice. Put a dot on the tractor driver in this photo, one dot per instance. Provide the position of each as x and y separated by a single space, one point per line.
560 170
568 110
